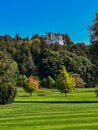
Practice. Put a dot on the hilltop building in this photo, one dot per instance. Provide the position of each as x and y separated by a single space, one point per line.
53 38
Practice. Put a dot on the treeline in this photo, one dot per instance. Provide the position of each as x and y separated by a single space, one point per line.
32 63
35 57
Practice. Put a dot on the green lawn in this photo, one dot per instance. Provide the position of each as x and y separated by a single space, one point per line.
51 111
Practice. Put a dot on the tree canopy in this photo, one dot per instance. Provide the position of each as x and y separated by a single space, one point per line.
94 46
8 78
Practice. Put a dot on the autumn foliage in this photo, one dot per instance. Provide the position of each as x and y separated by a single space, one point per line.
31 85
79 82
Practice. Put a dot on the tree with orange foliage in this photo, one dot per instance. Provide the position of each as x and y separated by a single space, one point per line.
31 85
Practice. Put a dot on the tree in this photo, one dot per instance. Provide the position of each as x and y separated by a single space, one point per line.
50 82
50 64
24 60
94 31
36 40
31 85
65 83
47 82
79 49
7 38
43 83
67 40
80 65
94 47
8 78
21 80
7 92
35 52
79 82
17 37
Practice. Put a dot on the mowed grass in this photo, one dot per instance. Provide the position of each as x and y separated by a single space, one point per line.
51 110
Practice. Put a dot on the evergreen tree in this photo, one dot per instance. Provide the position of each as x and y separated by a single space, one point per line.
94 47
8 78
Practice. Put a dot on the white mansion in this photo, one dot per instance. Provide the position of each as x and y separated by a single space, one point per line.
53 38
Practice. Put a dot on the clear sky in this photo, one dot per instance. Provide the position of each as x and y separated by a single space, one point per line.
28 17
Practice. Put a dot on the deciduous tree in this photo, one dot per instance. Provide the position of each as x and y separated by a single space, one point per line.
65 83
79 82
31 85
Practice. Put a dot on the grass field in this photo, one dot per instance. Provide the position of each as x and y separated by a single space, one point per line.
50 110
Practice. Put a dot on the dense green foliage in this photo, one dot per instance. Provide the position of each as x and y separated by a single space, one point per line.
94 46
21 79
8 78
22 57
48 82
35 57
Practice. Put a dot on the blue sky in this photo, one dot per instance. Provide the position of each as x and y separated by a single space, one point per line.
28 17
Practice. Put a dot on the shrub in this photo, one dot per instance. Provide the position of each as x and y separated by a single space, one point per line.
7 93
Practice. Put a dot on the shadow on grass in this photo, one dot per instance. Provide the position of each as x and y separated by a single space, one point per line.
23 96
55 101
